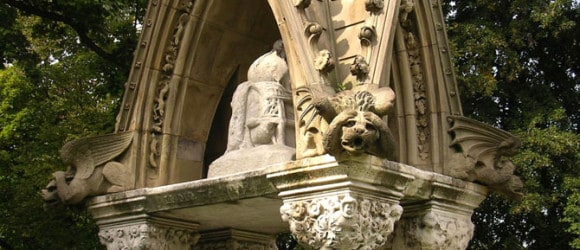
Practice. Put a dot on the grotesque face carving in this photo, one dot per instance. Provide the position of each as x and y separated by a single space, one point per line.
356 132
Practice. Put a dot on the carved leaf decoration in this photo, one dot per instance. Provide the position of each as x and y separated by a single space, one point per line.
86 153
480 141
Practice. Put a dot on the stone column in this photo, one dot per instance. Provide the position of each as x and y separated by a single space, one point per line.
340 205
146 232
233 239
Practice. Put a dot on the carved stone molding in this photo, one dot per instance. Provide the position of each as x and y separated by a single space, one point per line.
163 86
233 239
412 44
347 220
149 233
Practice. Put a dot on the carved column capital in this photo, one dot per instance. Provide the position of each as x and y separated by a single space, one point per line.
342 221
149 233
350 204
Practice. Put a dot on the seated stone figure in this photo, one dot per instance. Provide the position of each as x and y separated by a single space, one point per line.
261 130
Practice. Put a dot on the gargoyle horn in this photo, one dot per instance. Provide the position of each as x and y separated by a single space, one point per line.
85 154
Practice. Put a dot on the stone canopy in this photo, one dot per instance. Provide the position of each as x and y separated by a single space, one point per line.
347 133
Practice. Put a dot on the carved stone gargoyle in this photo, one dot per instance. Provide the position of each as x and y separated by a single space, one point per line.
482 150
91 170
354 117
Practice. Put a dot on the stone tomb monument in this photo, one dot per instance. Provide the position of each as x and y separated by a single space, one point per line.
350 135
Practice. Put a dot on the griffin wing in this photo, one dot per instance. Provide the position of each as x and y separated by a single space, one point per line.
87 153
480 141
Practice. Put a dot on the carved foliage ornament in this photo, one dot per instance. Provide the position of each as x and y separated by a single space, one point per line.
374 5
341 222
148 237
359 68
163 85
417 78
324 62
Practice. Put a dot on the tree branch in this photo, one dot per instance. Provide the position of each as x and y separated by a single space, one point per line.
81 30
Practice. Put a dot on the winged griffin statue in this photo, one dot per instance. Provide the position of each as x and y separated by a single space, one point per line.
482 158
91 170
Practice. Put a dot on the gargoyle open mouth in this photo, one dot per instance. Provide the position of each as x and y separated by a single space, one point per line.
49 194
354 145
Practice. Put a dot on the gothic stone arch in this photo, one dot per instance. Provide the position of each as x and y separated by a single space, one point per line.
189 52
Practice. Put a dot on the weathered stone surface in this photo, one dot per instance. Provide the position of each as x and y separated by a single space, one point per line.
92 169
248 159
481 155
341 221
146 232
261 130
434 225
312 195
356 203
246 202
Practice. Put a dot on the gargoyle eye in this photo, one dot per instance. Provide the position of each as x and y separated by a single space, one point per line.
350 124
370 127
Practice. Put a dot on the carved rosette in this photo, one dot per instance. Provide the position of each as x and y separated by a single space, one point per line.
341 221
374 5
434 230
147 236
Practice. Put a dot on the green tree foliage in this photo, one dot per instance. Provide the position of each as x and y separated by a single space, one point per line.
517 64
64 64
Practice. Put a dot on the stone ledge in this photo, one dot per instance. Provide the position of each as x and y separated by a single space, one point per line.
218 202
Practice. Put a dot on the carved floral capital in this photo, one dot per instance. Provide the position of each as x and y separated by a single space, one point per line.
147 236
341 221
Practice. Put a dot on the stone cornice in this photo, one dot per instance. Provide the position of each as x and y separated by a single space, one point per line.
369 175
